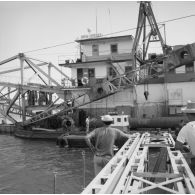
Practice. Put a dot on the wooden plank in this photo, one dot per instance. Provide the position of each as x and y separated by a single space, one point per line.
161 157
157 175
156 145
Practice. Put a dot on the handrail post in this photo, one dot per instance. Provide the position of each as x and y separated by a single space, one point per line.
83 155
54 186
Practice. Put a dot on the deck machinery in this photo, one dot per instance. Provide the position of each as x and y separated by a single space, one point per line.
128 171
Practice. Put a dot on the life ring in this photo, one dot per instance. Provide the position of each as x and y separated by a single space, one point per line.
84 80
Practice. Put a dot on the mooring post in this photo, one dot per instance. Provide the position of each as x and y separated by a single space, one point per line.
54 186
21 58
83 155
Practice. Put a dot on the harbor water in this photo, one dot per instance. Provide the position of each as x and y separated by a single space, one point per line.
28 167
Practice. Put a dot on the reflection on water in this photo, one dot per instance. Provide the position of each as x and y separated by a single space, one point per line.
28 166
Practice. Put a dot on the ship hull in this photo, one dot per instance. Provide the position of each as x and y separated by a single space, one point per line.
38 134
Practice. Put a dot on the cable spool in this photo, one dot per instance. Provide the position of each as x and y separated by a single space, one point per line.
85 80
67 123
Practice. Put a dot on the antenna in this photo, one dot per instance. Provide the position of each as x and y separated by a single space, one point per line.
110 20
96 21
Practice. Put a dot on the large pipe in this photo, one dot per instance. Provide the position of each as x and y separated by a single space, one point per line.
160 122
138 123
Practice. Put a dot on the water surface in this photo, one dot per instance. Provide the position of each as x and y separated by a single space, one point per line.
28 166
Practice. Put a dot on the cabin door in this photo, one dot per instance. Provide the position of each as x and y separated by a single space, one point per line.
79 76
82 118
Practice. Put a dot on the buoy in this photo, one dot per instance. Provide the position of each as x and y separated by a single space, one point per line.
84 80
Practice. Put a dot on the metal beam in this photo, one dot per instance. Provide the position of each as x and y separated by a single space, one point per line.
145 12
13 101
9 60
52 89
67 77
179 165
18 69
46 75
36 72
122 185
7 116
2 89
37 60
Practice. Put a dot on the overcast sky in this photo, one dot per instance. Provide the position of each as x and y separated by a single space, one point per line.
29 25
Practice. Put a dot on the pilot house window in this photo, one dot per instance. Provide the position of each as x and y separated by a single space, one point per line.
95 50
91 72
119 120
114 48
190 67
111 72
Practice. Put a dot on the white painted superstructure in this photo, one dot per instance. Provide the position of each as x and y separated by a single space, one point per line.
102 58
120 122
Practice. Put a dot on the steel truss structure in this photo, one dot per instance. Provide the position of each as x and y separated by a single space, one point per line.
78 96
148 32
124 175
16 104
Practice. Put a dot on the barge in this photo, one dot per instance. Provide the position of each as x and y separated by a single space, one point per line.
7 128
39 133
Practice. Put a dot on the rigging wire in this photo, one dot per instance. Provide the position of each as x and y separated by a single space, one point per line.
49 47
68 43
158 23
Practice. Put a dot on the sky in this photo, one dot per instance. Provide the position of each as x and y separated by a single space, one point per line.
32 25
